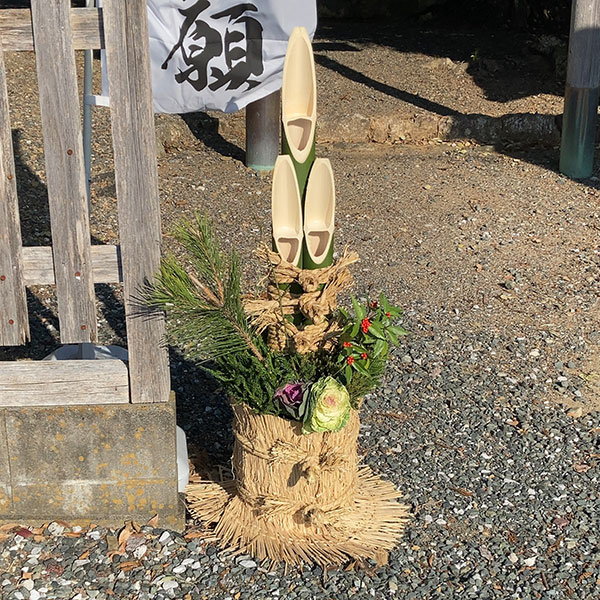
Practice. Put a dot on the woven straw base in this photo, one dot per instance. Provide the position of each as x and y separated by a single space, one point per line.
368 529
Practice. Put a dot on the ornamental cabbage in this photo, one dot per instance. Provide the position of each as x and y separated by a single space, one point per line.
328 407
292 398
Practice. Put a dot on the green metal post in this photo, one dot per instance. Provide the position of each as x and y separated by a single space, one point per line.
581 92
263 119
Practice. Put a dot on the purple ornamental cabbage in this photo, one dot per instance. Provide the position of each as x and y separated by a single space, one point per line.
292 398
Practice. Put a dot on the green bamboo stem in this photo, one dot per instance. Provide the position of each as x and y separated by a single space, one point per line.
302 168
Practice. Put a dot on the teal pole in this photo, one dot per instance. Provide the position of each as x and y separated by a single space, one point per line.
579 132
581 92
263 119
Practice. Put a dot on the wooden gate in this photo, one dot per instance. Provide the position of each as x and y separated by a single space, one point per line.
55 30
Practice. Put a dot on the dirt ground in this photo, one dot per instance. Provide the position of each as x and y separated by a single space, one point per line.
491 238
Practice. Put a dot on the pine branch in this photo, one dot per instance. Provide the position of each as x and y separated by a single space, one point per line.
204 306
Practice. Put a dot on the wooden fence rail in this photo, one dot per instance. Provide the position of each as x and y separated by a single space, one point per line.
16 29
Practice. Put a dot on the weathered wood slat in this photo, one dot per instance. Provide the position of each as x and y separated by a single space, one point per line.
14 325
17 32
38 265
63 382
127 53
65 174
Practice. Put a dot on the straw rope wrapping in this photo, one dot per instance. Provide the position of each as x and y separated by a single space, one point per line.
299 498
316 302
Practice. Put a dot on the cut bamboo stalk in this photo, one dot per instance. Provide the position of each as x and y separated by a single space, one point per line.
299 104
286 211
319 216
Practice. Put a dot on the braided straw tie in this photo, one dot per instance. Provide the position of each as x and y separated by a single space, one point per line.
311 513
311 466
317 301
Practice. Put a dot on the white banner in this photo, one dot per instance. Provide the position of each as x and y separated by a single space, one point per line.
220 54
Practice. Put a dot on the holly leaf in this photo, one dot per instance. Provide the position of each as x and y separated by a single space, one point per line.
399 331
377 331
358 348
348 374
359 311
392 337
395 312
361 368
381 347
383 302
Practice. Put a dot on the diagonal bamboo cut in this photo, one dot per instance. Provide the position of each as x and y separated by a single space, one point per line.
286 210
319 216
299 104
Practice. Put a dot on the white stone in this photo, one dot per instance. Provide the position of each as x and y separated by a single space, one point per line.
247 564
170 585
140 551
55 529
164 537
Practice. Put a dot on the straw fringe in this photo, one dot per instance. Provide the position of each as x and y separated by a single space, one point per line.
299 498
368 529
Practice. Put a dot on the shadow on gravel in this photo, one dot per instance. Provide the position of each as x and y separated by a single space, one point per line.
203 412
206 129
511 134
384 88
505 64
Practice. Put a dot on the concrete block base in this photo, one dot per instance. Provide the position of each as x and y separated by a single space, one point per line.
105 464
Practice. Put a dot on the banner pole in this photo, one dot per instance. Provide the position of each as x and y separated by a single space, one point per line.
263 118
87 114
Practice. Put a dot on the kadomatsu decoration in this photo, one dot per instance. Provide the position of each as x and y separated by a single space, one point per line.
298 493
294 365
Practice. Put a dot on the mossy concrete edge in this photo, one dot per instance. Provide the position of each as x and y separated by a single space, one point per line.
104 464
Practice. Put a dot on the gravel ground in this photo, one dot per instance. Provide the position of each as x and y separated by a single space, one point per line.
487 418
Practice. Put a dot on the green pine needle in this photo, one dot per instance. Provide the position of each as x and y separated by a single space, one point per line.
203 304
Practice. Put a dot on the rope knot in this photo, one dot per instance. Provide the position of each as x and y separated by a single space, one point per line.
311 468
313 515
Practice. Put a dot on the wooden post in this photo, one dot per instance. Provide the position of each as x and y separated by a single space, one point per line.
65 172
581 92
14 325
136 176
262 132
